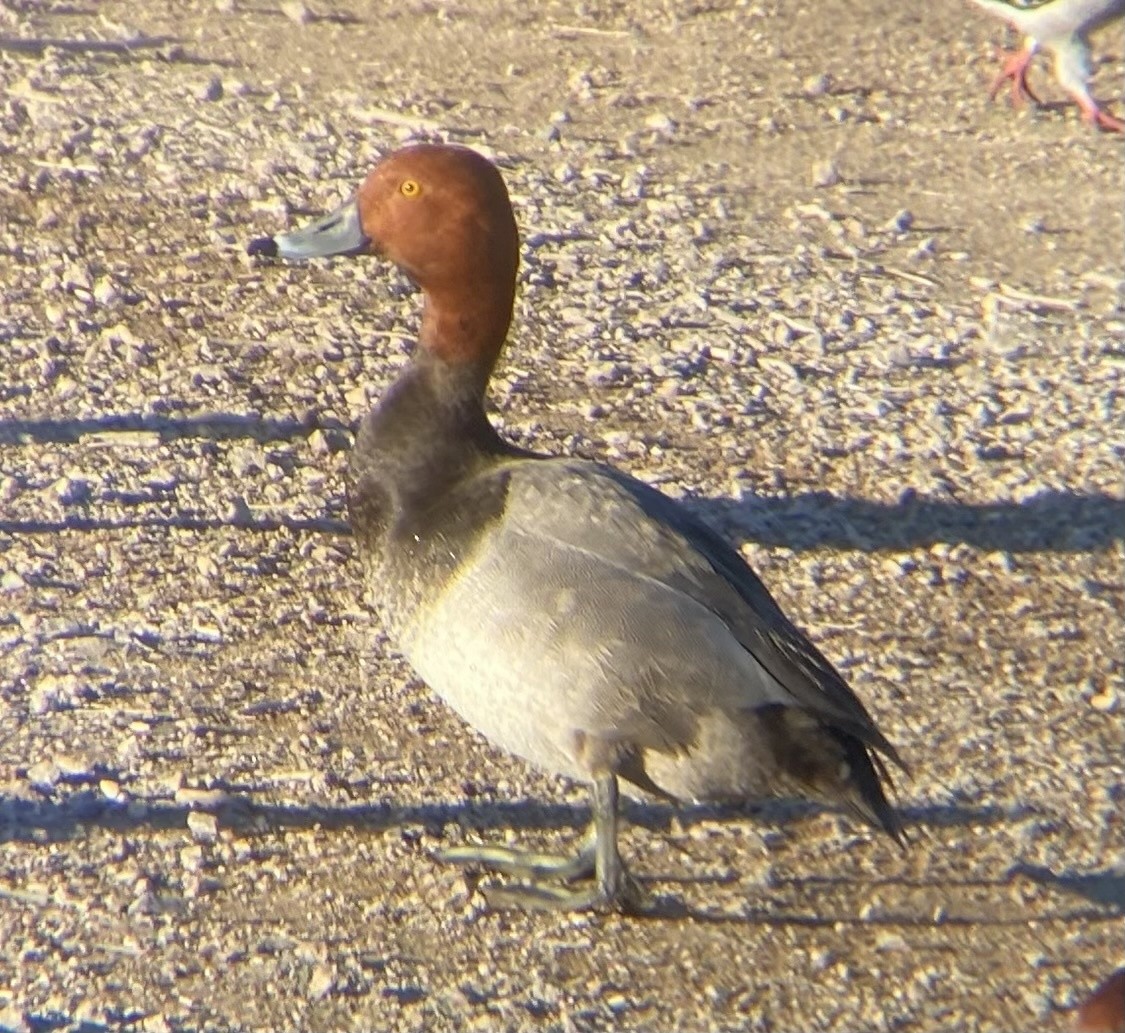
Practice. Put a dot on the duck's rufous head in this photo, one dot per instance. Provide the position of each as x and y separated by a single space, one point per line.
442 214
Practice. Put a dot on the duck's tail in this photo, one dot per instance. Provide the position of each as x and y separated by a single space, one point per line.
836 764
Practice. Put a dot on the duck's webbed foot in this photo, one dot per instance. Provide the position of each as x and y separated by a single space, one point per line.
594 879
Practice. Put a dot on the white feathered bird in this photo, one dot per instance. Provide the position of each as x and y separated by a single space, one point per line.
1063 28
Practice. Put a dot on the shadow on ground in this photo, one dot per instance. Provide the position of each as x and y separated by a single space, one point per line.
1052 521
34 817
45 821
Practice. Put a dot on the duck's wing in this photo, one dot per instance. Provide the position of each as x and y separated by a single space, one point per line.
621 524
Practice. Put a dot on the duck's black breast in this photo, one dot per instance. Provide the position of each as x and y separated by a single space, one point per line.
426 481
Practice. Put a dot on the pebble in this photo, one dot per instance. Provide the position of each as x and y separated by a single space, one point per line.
322 980
186 796
296 11
106 293
211 91
817 85
12 581
1104 701
204 827
72 491
73 766
825 173
901 221
192 858
661 123
44 774
54 692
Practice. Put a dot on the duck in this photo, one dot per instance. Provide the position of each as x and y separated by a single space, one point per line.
1061 27
575 616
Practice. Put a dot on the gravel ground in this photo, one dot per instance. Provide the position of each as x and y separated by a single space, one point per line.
792 267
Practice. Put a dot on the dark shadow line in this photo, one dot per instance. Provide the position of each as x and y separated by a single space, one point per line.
341 18
666 908
1105 888
35 819
1051 521
211 427
319 525
38 46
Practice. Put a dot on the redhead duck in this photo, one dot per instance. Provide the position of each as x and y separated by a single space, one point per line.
575 616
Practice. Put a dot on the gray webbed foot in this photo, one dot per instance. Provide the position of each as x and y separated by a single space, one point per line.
594 879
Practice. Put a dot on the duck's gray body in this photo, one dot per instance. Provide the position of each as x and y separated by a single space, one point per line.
570 612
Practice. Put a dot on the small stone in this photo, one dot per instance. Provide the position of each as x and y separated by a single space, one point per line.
296 12
11 581
661 123
825 173
72 491
357 397
901 221
110 789
888 941
212 90
53 692
322 980
820 959
106 293
44 775
1104 701
817 85
187 796
204 827
72 766
926 248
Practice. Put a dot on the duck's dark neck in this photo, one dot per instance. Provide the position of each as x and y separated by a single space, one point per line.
430 428
428 434
448 395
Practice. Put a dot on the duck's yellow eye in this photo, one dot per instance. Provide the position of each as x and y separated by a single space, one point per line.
410 188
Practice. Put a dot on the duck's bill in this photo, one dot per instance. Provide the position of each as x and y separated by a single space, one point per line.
338 233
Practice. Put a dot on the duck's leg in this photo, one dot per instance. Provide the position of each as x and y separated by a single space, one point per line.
1073 69
1015 68
1100 118
549 878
